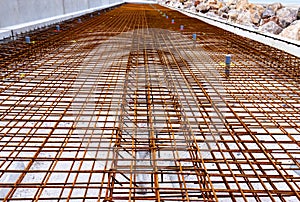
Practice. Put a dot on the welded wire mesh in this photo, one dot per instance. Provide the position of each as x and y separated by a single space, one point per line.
124 106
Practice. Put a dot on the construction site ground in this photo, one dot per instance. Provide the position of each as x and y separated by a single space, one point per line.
136 103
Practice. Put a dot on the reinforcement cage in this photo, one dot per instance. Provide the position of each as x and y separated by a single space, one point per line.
134 104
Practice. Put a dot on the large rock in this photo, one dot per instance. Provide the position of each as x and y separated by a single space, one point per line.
223 10
214 6
244 18
203 8
211 4
233 15
286 16
292 31
193 9
242 4
256 11
178 5
211 1
211 14
255 18
256 8
274 19
275 6
224 15
188 5
232 7
231 2
271 27
269 12
197 3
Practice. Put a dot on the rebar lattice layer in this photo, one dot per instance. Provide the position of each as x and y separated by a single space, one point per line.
124 106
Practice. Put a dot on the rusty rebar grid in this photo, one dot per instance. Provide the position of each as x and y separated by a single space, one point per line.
124 106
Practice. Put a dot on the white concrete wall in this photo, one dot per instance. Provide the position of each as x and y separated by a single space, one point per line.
96 3
14 12
71 6
18 16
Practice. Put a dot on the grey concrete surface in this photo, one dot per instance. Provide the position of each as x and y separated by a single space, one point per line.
14 12
75 5
9 10
18 16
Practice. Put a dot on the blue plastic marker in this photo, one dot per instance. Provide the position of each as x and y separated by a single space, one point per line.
227 67
172 21
57 28
228 59
181 27
79 20
167 17
194 37
27 39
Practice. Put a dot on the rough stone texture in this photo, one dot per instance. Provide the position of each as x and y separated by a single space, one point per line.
212 14
275 6
232 7
224 15
203 8
268 18
233 15
193 9
244 18
188 5
255 18
274 19
224 9
286 16
242 4
211 2
271 27
196 3
256 8
231 2
177 5
293 31
269 12
256 13
214 6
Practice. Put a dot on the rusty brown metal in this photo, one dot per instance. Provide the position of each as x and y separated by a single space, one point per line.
125 106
